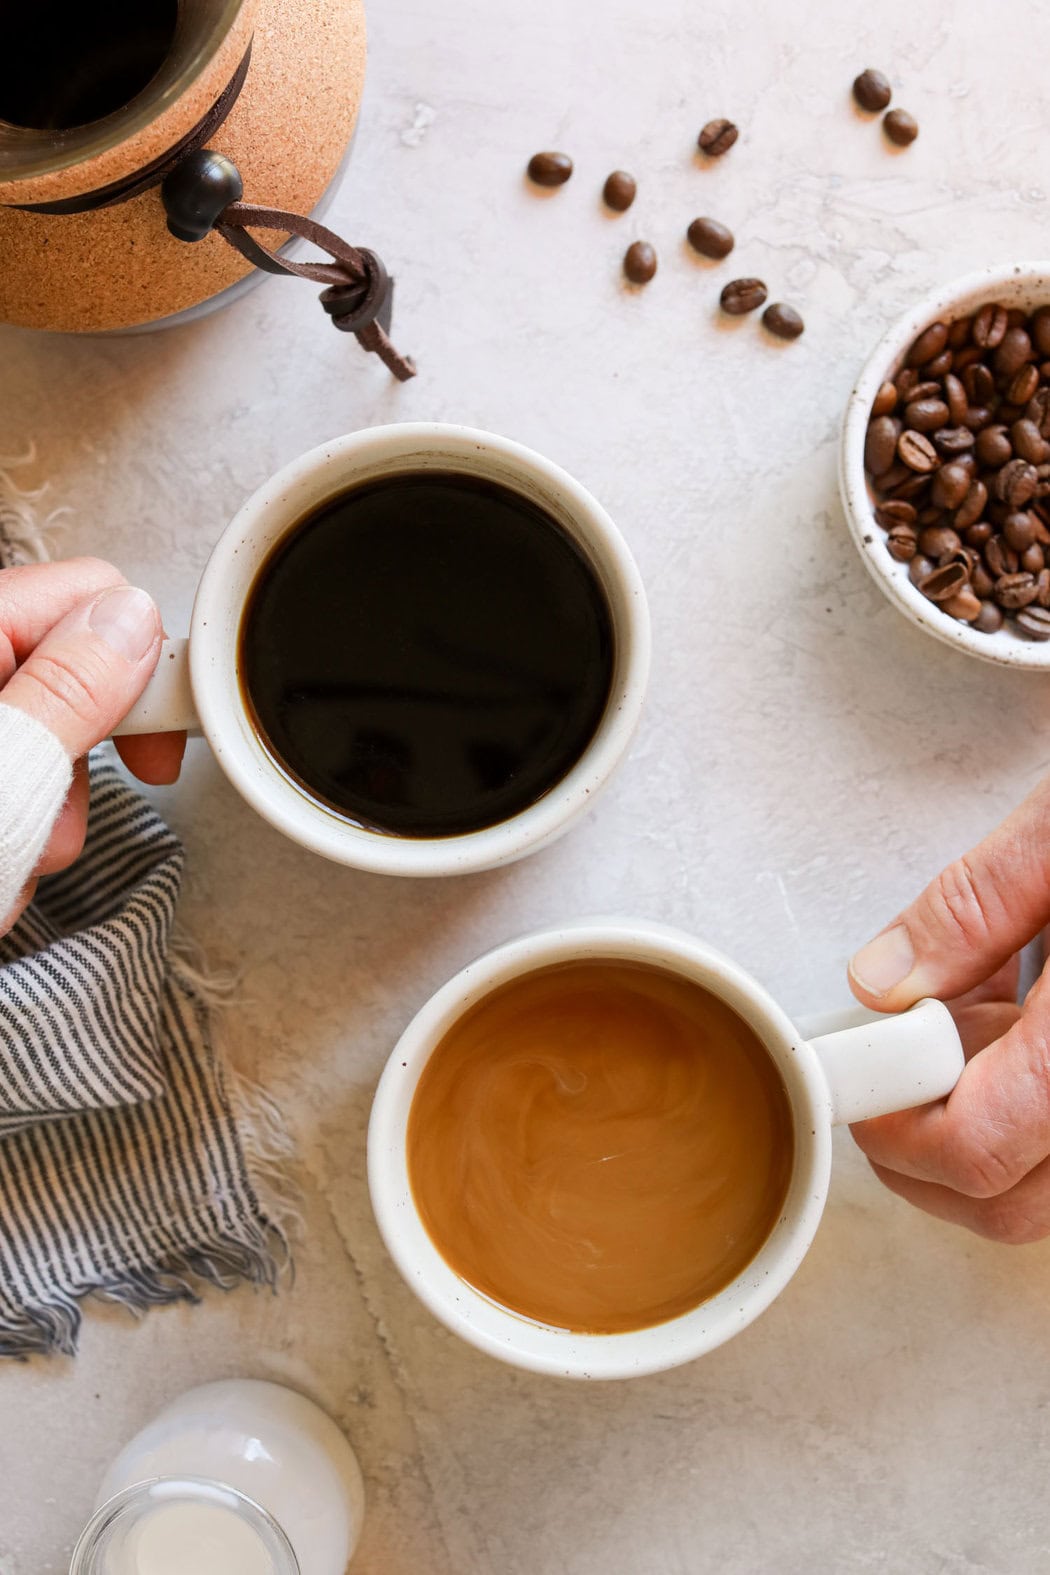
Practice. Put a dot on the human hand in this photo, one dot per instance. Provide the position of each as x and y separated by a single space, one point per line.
980 1157
77 647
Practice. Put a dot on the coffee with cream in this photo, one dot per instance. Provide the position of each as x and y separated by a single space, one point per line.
600 1145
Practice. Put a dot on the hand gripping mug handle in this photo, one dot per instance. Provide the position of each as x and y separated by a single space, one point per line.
166 704
878 1064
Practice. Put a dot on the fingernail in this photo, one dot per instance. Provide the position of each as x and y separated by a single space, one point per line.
126 619
885 962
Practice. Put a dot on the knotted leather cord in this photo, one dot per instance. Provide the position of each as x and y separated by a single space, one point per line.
359 288
358 285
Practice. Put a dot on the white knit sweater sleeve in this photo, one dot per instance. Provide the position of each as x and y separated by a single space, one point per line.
35 774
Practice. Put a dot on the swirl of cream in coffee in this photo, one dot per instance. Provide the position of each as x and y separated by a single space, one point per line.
600 1145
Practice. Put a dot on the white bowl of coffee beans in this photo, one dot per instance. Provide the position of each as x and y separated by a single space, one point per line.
945 464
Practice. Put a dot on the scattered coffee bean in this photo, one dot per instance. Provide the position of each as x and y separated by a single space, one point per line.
619 191
873 92
900 127
550 169
717 137
742 295
785 322
639 263
958 457
1034 623
710 238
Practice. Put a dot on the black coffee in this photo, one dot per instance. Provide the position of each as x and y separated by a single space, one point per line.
427 654
65 63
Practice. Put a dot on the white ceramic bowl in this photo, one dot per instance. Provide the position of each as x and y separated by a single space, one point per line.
1014 284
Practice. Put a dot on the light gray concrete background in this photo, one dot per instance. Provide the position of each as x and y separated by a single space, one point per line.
806 761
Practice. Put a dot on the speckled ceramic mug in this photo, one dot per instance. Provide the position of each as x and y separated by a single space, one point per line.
196 684
844 1069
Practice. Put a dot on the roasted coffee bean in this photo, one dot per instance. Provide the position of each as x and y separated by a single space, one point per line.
717 137
978 417
872 91
972 507
1019 530
964 605
919 568
958 402
989 620
783 320
742 295
895 512
1028 442
639 262
885 400
959 332
1000 558
953 440
913 487
900 127
915 450
930 343
619 191
1038 410
1016 317
713 239
929 388
1015 590
982 582
926 415
550 169
993 447
950 486
966 357
1040 329
907 381
1024 385
1044 371
1033 559
1014 484
931 515
939 541
976 535
1042 581
1034 623
979 383
940 366
901 541
989 326
947 580
967 557
1010 357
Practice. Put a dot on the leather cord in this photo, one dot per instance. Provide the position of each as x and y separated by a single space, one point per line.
359 293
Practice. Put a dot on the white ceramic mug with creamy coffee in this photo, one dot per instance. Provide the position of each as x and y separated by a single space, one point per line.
864 1070
197 686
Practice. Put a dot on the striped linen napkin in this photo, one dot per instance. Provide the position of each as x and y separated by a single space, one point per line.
134 1166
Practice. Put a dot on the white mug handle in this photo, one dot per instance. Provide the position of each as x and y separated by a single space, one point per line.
877 1064
166 704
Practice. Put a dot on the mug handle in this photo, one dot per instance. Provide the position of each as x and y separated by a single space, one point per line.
878 1064
166 704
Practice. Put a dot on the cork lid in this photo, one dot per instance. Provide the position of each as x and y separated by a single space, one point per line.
189 51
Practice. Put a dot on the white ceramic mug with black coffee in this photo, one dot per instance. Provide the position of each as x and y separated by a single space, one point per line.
418 650
602 1150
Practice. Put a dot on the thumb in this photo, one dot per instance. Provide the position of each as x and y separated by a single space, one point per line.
969 921
90 668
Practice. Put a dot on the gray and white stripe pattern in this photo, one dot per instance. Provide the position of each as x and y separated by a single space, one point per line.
125 1170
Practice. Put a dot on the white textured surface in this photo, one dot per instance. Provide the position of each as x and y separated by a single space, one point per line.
806 761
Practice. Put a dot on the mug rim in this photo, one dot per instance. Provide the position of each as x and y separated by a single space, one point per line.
270 512
513 1337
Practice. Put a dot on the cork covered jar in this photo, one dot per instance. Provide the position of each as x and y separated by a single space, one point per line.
94 103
